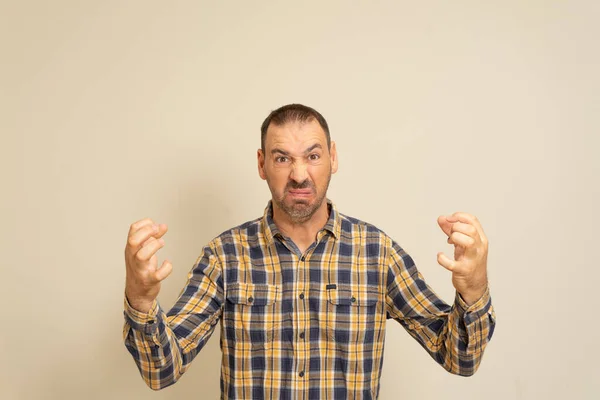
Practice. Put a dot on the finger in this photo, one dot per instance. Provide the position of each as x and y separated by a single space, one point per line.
460 239
162 229
470 219
136 226
139 237
146 252
466 229
445 224
164 271
446 262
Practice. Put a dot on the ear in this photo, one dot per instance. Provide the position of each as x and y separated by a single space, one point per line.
261 164
334 158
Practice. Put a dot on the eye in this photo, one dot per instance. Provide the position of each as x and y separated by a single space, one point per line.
281 159
314 157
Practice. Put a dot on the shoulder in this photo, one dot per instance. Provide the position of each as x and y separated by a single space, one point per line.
248 231
351 226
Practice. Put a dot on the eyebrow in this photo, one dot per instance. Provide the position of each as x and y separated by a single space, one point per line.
285 153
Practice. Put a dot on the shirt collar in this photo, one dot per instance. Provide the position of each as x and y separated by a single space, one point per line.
271 231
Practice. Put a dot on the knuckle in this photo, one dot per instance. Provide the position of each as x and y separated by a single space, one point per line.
149 240
136 225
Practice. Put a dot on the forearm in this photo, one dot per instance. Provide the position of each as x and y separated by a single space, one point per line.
164 345
460 344
154 348
161 346
456 336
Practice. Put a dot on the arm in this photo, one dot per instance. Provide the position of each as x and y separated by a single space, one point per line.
164 344
456 336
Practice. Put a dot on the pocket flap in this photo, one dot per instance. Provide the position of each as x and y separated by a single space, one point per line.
252 294
352 295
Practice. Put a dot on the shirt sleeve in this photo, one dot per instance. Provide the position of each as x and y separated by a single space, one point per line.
164 344
454 336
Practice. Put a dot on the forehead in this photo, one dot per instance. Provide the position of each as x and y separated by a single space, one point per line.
295 134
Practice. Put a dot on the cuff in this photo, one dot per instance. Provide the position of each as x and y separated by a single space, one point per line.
476 310
143 322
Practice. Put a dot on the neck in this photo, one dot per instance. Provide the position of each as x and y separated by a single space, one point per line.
302 233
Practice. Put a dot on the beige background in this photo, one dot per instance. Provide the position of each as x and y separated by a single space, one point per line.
111 111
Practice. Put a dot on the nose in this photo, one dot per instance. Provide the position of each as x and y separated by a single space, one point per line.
299 173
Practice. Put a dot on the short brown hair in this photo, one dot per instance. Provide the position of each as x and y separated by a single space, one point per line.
293 113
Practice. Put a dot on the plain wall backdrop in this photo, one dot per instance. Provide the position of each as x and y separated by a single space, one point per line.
112 111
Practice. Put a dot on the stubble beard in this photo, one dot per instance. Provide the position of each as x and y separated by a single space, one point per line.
301 210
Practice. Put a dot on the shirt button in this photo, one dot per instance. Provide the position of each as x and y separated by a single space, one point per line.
353 299
303 258
301 374
301 335
250 299
301 296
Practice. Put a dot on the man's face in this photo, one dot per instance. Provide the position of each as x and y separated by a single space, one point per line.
297 166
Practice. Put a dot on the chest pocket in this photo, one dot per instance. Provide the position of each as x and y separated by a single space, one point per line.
352 314
251 315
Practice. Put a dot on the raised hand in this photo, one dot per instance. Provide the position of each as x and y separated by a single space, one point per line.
469 267
143 277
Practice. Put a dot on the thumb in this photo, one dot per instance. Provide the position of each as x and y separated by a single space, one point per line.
446 262
164 271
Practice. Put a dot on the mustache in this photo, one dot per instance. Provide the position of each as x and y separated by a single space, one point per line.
306 184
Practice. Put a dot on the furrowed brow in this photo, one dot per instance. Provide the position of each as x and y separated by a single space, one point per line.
311 148
276 150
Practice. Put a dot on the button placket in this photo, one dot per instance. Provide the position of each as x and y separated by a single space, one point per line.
301 325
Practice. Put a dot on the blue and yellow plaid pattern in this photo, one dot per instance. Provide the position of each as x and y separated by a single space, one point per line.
304 326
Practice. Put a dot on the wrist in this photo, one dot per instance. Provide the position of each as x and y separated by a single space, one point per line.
472 296
141 304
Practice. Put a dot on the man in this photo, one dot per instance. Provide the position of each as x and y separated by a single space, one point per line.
303 293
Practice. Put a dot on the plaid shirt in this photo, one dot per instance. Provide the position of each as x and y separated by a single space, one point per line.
304 326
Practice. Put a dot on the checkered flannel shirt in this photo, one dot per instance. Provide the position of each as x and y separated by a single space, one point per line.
304 326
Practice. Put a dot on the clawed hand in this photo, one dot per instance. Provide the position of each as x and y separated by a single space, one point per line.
469 267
